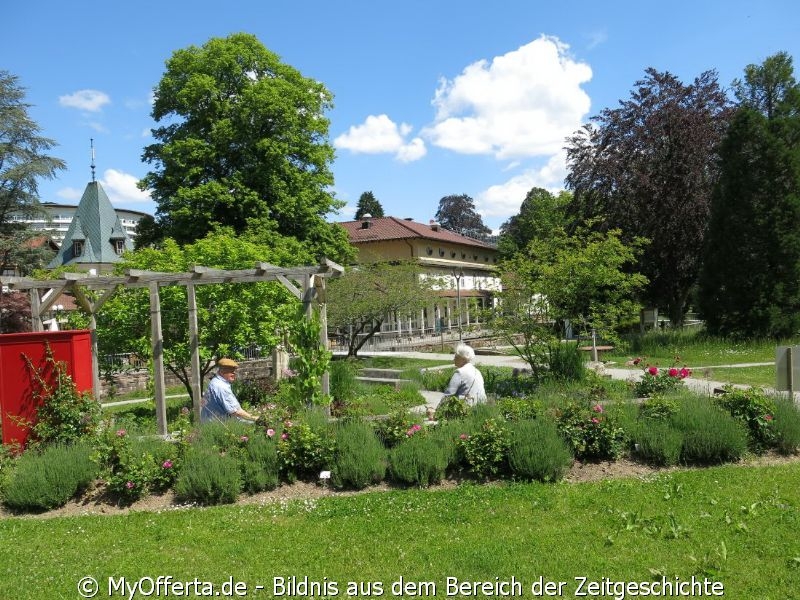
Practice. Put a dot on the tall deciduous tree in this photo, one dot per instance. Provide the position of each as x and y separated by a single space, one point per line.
540 214
242 142
368 205
648 168
360 300
750 282
457 213
23 162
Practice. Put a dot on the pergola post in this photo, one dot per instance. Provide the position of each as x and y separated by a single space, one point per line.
157 341
194 349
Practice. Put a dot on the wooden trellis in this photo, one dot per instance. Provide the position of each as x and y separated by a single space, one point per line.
307 284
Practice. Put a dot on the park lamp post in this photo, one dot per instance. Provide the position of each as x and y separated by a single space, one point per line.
458 275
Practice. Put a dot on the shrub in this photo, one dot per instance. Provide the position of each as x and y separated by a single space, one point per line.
710 435
304 451
565 362
132 468
422 460
343 382
255 392
657 408
436 379
397 427
658 443
451 408
260 466
48 479
753 408
786 426
485 451
590 432
63 414
208 477
509 382
536 451
360 458
520 409
657 381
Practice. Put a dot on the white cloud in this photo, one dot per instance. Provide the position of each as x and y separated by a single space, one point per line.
88 100
503 200
70 193
121 187
521 104
380 135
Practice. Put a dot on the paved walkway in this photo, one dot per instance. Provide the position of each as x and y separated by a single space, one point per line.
705 386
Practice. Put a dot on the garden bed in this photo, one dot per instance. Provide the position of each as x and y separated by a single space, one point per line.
96 503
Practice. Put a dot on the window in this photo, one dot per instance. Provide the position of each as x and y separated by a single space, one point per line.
77 247
119 246
429 250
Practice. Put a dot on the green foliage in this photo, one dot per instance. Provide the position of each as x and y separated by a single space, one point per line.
260 465
590 432
343 383
310 362
750 281
755 410
63 414
305 450
485 452
359 300
208 477
565 362
520 408
710 435
360 458
397 427
132 468
368 204
536 451
451 408
657 381
437 379
421 460
787 426
657 408
657 442
23 162
48 479
540 214
241 142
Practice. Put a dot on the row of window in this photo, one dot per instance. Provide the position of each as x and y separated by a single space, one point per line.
454 254
77 247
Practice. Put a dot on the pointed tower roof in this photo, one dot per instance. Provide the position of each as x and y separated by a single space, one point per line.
96 235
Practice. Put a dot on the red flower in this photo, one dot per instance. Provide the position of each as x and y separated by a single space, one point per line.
768 417
673 372
637 360
684 373
653 371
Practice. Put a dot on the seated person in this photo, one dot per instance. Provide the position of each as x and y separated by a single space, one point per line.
219 402
467 381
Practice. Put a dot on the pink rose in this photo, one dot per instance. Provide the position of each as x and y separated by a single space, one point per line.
595 420
121 433
463 436
270 432
768 417
597 408
167 464
130 485
284 436
244 439
684 373
653 371
673 372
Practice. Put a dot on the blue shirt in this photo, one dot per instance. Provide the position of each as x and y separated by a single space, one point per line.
219 402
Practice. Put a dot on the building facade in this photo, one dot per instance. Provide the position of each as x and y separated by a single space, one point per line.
465 271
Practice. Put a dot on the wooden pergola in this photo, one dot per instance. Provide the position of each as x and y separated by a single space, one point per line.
307 284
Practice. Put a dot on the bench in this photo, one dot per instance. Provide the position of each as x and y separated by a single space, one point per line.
600 349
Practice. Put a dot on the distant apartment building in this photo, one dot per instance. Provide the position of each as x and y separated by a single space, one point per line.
59 218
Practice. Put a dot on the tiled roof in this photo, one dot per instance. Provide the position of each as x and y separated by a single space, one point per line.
96 224
391 228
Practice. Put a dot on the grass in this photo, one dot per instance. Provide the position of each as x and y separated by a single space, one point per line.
736 525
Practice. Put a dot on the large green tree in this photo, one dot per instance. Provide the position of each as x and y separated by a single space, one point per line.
540 214
458 214
648 168
360 300
750 281
23 162
242 142
368 204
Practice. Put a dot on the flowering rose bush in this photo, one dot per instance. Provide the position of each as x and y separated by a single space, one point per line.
657 381
591 434
753 408
486 451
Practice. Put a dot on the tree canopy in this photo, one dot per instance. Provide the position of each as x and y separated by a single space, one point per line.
23 162
242 142
648 168
457 213
368 204
750 281
540 214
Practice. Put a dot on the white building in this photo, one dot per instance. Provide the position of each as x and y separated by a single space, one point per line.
61 215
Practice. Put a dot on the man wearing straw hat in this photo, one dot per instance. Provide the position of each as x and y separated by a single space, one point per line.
219 402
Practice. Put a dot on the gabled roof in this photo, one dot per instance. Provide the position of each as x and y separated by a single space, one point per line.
97 225
391 228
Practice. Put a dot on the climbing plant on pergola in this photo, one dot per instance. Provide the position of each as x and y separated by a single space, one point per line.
91 292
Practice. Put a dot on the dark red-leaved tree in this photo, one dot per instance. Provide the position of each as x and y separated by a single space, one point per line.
648 168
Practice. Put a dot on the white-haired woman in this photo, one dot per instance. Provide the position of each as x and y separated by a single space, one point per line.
467 381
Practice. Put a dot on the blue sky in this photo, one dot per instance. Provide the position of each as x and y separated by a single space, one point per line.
432 98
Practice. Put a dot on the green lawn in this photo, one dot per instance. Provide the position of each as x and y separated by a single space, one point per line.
739 526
